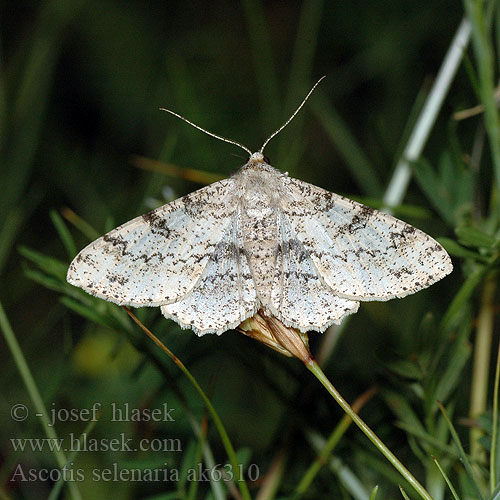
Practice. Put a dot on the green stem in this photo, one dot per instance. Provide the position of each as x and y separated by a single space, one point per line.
481 365
447 479
486 62
215 417
494 433
463 457
34 395
418 138
332 441
318 373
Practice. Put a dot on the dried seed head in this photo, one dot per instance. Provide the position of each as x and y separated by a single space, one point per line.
273 333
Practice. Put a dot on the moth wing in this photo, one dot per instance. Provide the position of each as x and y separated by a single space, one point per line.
225 294
300 297
360 252
158 257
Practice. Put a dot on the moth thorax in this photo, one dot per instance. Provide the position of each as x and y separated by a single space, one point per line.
260 237
259 214
261 192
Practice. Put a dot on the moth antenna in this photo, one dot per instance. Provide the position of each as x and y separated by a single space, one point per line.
261 150
224 139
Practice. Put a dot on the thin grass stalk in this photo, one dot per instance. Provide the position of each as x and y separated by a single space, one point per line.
34 395
331 443
402 174
274 476
452 315
463 456
215 417
348 479
486 62
481 366
201 431
494 432
56 490
202 436
403 492
447 479
314 368
374 493
346 146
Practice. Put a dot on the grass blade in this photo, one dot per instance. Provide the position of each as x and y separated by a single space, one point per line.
218 422
374 493
56 490
330 444
349 480
401 176
481 363
83 226
64 233
463 456
466 290
403 492
289 146
34 394
264 67
315 369
494 434
447 479
486 62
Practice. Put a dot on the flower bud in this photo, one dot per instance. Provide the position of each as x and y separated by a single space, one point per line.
272 332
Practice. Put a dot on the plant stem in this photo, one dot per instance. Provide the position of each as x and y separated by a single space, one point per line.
447 479
481 365
494 432
319 374
35 396
396 189
218 422
473 476
402 173
330 444
486 63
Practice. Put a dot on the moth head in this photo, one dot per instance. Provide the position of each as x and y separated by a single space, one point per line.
257 158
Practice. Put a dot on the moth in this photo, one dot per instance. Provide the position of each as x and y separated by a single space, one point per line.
259 240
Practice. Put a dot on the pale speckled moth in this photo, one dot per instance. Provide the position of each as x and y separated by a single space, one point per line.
259 240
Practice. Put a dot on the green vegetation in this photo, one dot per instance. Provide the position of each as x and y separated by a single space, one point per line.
84 147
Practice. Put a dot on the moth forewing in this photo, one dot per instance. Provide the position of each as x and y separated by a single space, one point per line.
157 258
362 253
